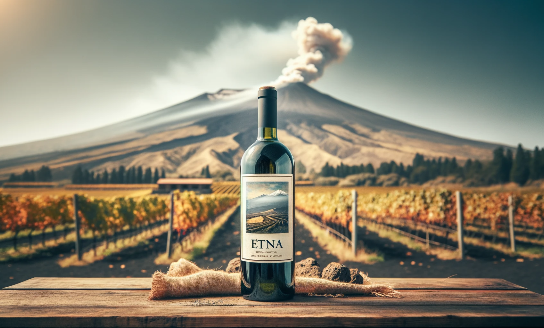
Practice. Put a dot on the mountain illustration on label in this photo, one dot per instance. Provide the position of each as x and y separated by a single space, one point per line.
269 212
278 193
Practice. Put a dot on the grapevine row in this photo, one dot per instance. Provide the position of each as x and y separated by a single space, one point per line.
428 206
108 215
191 210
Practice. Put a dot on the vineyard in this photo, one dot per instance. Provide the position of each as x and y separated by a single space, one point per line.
106 218
332 209
268 221
485 214
192 210
226 188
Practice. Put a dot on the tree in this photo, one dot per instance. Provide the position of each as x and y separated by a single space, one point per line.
467 168
105 177
500 172
535 165
528 160
326 170
27 177
542 162
520 168
476 170
439 166
444 170
385 168
339 171
433 169
163 173
453 166
402 170
148 175
418 160
113 176
44 174
369 168
394 167
77 175
140 175
86 176
206 172
509 161
121 175
131 175
419 175
156 176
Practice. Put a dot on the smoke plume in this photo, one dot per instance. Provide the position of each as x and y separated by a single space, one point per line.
318 46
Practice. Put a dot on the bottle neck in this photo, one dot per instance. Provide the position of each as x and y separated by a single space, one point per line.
267 115
267 134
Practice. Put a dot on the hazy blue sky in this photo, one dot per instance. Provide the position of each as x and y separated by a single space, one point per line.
469 68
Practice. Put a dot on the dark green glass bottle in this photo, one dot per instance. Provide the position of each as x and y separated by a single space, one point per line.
267 210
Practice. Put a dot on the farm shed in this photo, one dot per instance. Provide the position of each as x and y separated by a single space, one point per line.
200 186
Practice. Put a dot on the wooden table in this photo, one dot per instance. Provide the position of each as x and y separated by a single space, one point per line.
120 302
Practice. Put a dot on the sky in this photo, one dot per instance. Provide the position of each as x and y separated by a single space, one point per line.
473 69
256 189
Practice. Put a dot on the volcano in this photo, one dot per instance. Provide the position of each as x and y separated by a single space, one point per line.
215 129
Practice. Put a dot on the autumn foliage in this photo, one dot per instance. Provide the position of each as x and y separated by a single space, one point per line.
429 206
190 210
106 215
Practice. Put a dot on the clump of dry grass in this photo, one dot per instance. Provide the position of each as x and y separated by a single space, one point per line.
335 246
441 253
103 250
533 252
537 251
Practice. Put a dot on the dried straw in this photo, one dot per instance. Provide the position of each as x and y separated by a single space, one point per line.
182 268
203 283
306 285
186 279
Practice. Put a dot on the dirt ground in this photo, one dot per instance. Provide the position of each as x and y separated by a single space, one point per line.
399 261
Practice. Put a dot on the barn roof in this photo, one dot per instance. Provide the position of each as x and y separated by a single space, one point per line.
191 181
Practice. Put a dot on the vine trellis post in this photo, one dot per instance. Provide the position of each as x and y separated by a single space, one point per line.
459 200
78 228
354 223
170 225
511 223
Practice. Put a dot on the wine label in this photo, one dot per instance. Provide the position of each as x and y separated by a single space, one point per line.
267 217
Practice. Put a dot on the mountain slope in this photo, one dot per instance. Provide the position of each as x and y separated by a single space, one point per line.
215 129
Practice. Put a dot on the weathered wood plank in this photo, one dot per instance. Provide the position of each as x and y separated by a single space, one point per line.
448 283
325 315
130 308
145 283
51 301
50 283
300 320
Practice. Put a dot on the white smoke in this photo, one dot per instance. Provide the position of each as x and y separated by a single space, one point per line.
318 46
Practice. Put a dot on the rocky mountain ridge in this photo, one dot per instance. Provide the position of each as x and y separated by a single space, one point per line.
215 129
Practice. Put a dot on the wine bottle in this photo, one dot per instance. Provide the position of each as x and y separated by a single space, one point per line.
267 210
